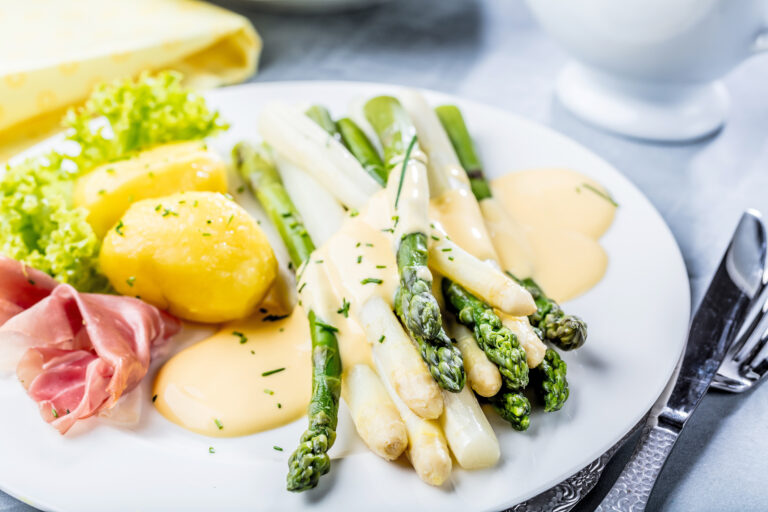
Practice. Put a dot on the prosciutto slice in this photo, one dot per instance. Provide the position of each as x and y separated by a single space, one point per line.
86 350
21 287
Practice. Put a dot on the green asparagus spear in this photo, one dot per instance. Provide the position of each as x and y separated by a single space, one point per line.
321 116
414 303
453 123
256 168
359 145
415 297
393 127
566 331
549 381
310 460
514 407
499 343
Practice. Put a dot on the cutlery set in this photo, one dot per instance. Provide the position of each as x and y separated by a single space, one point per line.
734 308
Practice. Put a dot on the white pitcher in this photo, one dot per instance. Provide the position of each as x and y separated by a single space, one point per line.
650 68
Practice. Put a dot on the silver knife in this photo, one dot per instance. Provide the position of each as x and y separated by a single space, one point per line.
731 292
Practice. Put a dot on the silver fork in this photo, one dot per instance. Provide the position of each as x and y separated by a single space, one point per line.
746 362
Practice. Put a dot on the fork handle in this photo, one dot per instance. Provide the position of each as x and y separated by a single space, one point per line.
632 489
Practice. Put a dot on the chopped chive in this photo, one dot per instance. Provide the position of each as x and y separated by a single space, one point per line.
277 448
381 266
357 245
360 259
253 352
119 228
354 213
206 234
183 201
102 192
269 391
446 249
435 237
371 280
318 261
383 337
388 230
286 214
131 280
272 372
279 405
302 286
240 335
344 309
402 170
599 193
240 189
211 450
110 171
218 423
157 208
54 412
450 258
208 221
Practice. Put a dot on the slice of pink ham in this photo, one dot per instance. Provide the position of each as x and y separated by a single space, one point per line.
88 349
21 287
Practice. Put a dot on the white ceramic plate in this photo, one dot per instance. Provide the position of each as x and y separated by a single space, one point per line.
637 320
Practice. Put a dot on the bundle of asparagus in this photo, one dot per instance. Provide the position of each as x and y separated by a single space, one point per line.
414 399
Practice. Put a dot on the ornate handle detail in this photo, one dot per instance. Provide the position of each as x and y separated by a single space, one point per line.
632 489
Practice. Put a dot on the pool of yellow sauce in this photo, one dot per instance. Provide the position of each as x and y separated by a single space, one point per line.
548 223
562 215
218 387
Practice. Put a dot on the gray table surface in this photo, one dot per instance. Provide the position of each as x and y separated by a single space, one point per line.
493 51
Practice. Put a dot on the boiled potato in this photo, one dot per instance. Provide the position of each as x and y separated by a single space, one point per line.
108 190
197 254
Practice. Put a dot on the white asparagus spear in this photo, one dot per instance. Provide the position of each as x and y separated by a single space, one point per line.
427 447
522 328
375 416
357 114
304 143
468 432
399 359
482 374
321 213
479 278
509 238
445 171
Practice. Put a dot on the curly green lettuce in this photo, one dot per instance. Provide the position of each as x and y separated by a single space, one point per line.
39 224
140 113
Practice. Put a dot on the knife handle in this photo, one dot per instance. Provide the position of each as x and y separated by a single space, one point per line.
632 489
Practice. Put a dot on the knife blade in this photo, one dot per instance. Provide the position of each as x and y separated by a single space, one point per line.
733 289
